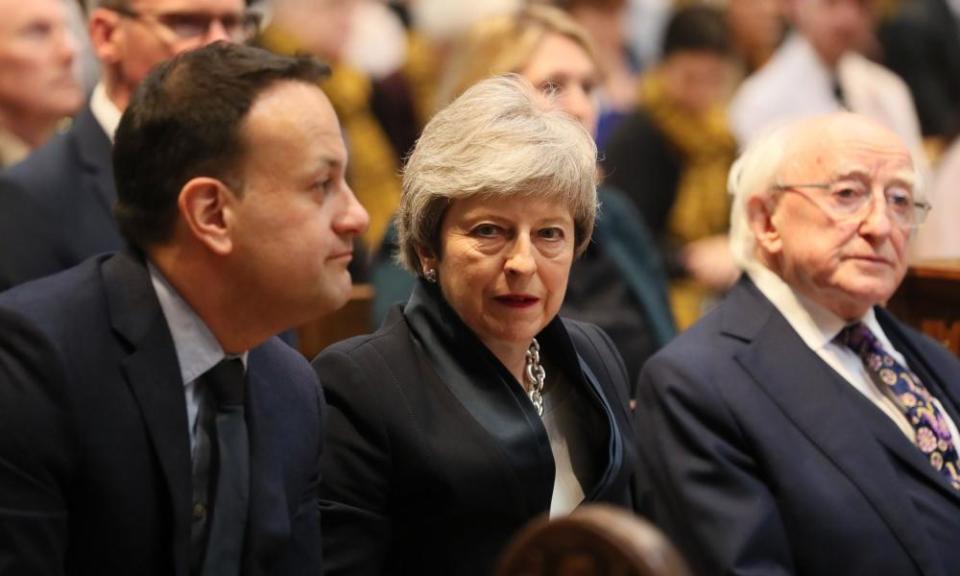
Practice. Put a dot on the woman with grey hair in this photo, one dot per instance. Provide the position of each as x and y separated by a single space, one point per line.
475 408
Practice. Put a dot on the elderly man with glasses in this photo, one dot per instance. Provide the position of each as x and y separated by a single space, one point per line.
800 428
55 208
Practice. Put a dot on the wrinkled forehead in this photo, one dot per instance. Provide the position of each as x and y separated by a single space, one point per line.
848 147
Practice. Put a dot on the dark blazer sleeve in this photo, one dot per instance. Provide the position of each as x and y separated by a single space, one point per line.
37 451
357 466
709 495
25 236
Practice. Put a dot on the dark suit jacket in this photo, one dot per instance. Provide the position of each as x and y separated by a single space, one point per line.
434 460
56 206
765 461
95 472
922 45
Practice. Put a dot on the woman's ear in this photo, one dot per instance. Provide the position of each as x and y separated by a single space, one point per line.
760 217
208 208
427 259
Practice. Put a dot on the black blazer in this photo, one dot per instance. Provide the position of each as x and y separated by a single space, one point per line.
435 457
56 206
764 460
95 473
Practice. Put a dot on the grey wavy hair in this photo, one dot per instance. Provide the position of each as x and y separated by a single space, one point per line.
756 171
500 138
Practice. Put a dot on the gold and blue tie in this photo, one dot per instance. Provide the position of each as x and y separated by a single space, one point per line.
932 434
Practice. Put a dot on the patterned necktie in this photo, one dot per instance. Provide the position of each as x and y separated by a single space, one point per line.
933 436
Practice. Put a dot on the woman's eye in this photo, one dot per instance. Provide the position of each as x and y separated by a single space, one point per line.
550 87
551 234
486 230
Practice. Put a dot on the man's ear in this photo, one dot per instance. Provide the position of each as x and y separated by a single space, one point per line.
760 210
105 35
207 207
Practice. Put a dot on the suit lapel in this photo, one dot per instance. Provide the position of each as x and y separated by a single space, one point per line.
152 372
818 401
95 150
268 496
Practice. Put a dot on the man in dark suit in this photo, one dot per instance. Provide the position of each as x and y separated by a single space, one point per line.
55 207
799 428
149 424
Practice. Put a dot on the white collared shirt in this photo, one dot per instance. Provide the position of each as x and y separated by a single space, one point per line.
818 327
104 110
197 348
796 84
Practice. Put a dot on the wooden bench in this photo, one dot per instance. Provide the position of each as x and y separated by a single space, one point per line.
929 300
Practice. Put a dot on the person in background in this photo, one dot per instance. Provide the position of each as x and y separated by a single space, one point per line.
38 87
605 22
800 428
618 283
149 423
820 69
55 208
671 157
475 407
756 29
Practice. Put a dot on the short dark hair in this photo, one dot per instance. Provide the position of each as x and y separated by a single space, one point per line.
184 121
697 29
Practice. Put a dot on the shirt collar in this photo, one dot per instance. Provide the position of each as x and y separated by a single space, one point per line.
816 325
104 110
197 348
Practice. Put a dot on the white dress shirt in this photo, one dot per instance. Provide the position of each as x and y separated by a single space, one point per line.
105 111
818 327
197 349
795 84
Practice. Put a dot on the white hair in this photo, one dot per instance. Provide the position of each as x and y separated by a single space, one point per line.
756 171
754 174
500 138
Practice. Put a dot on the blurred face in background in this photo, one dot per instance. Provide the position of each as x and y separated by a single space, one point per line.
137 35
697 80
834 27
756 27
37 51
321 27
561 68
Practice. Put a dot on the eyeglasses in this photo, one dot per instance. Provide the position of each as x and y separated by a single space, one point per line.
194 25
847 198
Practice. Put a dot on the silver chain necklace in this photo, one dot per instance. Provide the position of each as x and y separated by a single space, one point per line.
534 374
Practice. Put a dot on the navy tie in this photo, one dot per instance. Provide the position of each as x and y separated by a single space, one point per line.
224 552
932 435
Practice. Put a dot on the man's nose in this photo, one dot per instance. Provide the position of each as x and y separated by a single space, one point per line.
217 31
354 219
878 221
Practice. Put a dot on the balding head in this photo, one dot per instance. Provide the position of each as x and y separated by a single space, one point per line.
828 204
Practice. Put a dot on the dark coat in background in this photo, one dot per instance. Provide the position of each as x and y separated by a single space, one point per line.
56 207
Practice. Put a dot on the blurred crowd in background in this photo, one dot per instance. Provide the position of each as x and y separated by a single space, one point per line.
681 87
